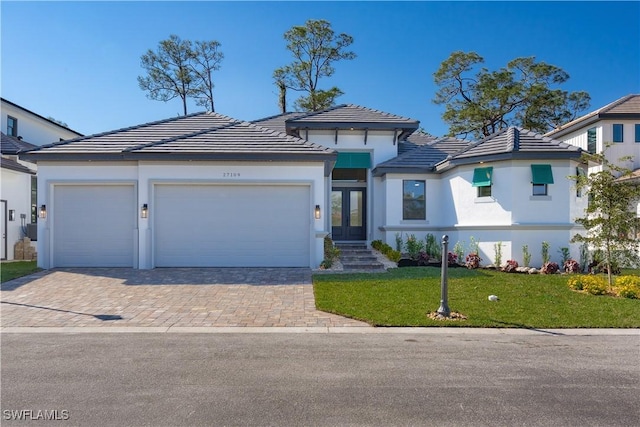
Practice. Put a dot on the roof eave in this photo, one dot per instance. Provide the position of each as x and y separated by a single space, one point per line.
519 155
384 170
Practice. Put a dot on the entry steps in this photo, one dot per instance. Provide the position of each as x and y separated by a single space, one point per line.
358 257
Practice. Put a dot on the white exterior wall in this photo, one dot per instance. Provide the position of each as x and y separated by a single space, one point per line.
13 191
512 215
146 174
34 129
380 144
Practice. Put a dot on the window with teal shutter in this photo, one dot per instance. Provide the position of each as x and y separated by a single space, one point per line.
482 178
618 131
541 177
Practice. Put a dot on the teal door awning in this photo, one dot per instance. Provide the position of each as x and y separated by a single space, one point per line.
541 174
353 161
482 177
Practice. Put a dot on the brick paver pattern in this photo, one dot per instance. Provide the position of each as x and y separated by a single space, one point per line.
176 297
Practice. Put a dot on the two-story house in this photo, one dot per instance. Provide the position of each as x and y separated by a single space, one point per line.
22 130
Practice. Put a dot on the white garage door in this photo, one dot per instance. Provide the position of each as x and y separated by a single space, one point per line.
94 226
231 226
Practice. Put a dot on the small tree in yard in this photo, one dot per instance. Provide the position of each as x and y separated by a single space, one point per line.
609 220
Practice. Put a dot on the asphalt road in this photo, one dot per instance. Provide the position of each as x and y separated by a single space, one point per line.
388 379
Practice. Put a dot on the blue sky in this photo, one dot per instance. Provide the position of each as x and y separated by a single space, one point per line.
78 61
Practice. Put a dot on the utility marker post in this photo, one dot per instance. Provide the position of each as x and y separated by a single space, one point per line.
444 292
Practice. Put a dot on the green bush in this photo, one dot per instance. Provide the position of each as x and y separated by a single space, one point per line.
331 253
376 244
393 255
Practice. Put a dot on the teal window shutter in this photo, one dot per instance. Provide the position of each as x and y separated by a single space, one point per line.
353 161
482 176
541 174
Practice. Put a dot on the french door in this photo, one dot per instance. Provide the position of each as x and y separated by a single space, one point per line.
348 213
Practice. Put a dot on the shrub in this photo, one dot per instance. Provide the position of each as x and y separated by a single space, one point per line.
550 268
473 261
565 254
414 247
393 255
571 266
331 253
376 244
526 256
458 249
452 258
545 253
627 287
497 247
399 243
432 247
511 266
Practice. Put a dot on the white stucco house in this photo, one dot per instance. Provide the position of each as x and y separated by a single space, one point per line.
208 190
22 130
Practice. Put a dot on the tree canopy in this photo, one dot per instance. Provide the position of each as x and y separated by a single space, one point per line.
480 102
315 47
610 220
181 69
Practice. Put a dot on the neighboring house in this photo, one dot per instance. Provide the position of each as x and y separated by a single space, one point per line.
18 198
21 123
208 190
614 129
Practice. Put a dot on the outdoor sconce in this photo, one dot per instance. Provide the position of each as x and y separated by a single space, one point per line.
12 214
316 213
43 211
144 212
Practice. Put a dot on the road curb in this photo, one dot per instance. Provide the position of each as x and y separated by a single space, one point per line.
317 330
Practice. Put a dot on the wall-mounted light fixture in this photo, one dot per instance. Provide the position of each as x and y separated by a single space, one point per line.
317 212
12 214
43 211
144 211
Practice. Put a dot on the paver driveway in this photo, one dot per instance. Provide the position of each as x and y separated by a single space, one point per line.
177 297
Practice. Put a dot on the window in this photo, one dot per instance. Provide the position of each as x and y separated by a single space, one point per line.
34 200
637 139
618 132
413 200
12 126
541 177
482 178
591 141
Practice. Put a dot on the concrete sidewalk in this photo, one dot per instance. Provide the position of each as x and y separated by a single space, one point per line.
164 298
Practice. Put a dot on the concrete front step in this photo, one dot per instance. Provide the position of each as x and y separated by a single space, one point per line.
357 257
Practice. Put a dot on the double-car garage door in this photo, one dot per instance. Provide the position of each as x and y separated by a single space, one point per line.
195 225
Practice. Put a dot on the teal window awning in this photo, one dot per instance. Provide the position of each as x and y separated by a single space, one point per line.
353 161
482 176
541 174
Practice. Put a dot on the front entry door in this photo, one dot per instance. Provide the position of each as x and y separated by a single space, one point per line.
348 213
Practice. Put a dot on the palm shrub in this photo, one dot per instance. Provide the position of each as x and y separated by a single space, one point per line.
331 253
498 254
526 256
413 247
545 253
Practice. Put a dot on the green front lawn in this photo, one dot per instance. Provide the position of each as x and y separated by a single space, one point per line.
13 270
404 297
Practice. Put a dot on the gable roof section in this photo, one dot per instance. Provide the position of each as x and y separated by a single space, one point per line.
199 136
12 145
347 116
627 107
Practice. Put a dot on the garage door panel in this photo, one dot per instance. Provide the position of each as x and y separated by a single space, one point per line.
231 226
94 226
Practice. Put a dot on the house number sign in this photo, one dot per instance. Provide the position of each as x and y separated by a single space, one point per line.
230 174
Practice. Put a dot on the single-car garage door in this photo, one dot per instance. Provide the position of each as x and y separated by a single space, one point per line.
232 226
94 225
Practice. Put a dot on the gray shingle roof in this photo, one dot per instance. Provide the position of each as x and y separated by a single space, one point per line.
12 145
445 153
277 123
625 107
197 136
11 164
348 115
